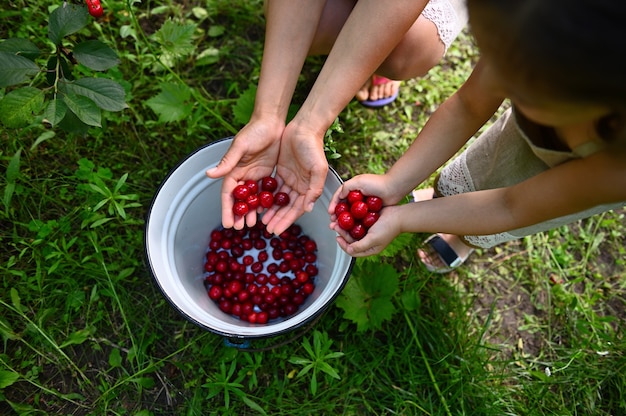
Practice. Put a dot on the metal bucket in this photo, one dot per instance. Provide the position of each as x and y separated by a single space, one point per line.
184 211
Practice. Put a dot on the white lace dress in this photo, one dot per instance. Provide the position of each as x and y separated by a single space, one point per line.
503 156
450 17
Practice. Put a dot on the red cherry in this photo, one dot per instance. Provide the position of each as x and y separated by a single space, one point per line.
341 207
241 192
354 196
281 199
358 231
267 199
215 292
345 221
253 185
370 219
269 184
240 208
374 203
358 210
95 8
262 317
253 201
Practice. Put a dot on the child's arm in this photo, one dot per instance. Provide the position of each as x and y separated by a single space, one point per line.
566 189
447 130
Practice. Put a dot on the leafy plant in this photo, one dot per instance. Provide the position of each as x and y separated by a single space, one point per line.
318 355
367 298
221 384
54 93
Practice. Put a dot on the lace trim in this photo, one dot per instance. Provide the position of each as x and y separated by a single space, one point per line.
443 15
456 179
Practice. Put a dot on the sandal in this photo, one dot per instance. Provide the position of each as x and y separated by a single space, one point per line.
444 252
378 80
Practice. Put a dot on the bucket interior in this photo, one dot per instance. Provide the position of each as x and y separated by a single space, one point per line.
187 208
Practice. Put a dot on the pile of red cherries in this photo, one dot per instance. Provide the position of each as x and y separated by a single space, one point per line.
358 212
257 276
252 194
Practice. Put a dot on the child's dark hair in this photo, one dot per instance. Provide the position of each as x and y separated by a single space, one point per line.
571 50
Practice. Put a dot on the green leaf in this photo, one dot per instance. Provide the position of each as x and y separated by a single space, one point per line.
366 299
7 378
172 103
85 109
13 170
19 46
77 337
95 55
54 112
115 358
242 110
18 107
72 124
15 69
65 20
253 405
176 38
105 93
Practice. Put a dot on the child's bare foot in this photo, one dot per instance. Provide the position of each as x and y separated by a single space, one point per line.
378 91
441 253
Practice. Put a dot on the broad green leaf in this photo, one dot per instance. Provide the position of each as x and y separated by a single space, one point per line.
7 378
18 108
95 55
85 109
66 19
105 93
15 69
366 299
19 46
54 112
72 124
172 103
176 38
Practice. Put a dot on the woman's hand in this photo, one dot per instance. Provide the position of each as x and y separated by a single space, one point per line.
301 172
252 155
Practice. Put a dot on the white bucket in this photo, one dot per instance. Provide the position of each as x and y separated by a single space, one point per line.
184 211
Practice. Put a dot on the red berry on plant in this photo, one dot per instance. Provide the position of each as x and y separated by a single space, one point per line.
95 8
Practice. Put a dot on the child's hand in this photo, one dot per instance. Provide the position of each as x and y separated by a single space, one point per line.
377 238
368 184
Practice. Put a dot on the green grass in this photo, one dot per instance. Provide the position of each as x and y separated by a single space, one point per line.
534 327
